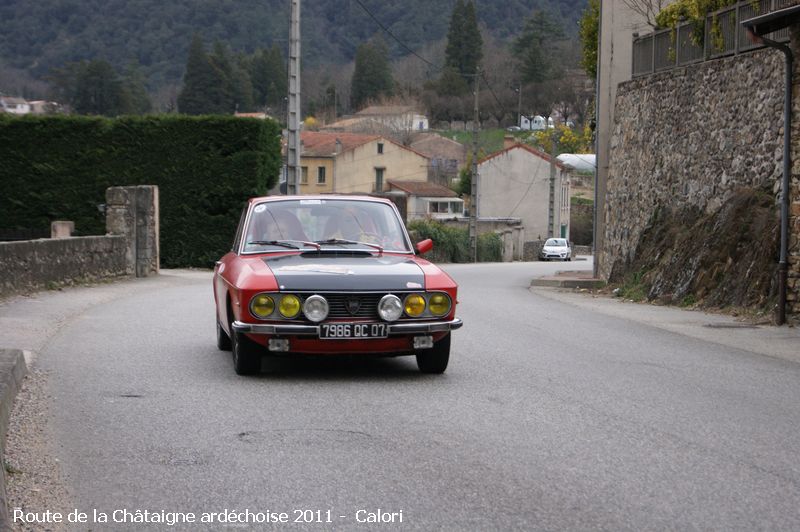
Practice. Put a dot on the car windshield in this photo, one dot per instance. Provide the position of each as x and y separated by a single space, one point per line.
324 223
556 242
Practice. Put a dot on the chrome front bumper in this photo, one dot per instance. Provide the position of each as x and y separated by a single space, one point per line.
313 330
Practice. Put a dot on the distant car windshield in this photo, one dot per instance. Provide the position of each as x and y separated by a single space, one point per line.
276 225
556 242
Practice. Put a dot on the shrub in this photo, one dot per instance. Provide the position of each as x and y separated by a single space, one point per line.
451 244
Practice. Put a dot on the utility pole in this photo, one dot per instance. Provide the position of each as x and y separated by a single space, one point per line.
519 106
552 203
473 197
293 111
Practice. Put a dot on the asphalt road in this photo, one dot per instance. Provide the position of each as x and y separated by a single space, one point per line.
553 415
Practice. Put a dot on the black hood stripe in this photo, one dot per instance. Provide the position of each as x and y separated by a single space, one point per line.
324 273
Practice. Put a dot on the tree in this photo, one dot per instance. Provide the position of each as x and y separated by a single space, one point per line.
203 84
134 85
589 26
268 77
464 42
647 9
372 78
537 46
99 90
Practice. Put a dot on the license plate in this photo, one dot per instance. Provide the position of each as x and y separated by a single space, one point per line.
352 331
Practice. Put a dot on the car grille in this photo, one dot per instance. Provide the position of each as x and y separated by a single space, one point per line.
338 304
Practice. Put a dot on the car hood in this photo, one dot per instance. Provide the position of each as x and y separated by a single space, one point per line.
555 248
323 273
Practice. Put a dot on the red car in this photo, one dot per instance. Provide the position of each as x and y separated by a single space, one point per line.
325 275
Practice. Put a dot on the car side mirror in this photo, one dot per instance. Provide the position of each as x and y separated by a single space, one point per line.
423 247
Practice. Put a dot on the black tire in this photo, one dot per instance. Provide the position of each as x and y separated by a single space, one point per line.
223 340
246 354
435 359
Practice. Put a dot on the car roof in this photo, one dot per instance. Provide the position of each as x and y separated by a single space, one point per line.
262 199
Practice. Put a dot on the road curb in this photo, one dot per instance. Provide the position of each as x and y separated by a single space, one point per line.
12 371
568 282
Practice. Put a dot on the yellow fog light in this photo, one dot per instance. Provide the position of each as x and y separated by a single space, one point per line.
414 305
439 304
261 306
289 306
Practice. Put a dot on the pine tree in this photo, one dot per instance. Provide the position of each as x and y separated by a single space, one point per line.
134 85
464 42
268 77
99 90
536 48
372 78
203 83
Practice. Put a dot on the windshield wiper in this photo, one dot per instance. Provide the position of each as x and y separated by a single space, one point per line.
335 241
283 243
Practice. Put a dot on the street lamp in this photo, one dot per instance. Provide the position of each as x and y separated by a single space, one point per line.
757 28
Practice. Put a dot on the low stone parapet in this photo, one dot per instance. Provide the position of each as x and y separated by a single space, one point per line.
32 265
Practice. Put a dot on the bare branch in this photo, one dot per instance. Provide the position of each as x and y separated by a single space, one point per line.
647 9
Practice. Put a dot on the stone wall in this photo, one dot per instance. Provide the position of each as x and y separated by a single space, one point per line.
130 248
690 137
35 264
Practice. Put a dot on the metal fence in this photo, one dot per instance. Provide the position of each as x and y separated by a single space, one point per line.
722 35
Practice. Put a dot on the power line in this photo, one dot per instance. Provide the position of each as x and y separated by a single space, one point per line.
393 36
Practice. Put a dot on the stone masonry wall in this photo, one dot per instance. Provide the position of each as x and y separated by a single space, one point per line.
131 247
35 264
689 137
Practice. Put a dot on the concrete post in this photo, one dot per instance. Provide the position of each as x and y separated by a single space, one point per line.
508 246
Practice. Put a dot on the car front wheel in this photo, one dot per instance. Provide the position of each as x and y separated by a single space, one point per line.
246 354
435 360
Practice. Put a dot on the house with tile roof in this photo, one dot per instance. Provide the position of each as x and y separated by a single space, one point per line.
424 199
516 183
347 163
447 156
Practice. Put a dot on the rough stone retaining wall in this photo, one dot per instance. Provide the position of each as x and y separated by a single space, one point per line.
130 248
689 137
35 264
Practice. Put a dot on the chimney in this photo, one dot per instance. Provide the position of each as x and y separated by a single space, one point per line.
508 141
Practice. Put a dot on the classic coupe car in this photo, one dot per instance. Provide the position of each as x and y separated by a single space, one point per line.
321 275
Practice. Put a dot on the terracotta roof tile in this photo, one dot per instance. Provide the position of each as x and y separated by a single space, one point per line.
321 144
423 188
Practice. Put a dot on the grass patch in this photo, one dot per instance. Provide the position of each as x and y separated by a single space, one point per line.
633 287
489 140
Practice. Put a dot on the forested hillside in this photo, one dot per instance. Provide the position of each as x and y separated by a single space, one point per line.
40 36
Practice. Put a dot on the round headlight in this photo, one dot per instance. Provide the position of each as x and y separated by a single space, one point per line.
414 305
390 307
261 306
315 308
439 304
289 306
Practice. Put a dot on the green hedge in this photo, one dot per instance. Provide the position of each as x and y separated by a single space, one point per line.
451 244
58 168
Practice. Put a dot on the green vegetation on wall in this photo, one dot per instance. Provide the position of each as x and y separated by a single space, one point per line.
58 168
